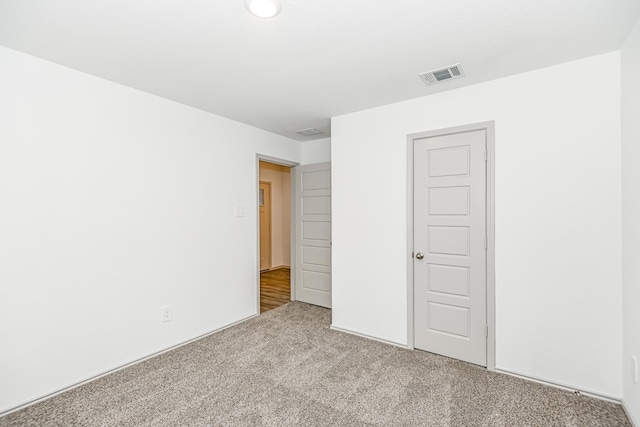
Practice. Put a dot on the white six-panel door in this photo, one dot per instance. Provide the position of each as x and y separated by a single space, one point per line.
450 310
313 234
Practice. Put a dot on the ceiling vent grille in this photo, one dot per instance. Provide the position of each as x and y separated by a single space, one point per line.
309 132
436 76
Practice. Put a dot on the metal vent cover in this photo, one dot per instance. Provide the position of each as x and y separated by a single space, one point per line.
309 132
442 74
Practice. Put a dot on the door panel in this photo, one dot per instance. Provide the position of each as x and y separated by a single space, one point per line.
448 240
317 256
316 281
315 230
313 234
450 230
447 279
448 201
450 319
320 205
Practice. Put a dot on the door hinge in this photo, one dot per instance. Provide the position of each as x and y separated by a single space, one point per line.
486 330
486 155
486 242
413 254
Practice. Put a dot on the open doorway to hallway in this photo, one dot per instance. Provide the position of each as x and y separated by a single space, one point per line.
275 235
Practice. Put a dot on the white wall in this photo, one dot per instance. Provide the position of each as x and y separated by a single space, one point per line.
631 216
558 213
280 179
114 204
316 151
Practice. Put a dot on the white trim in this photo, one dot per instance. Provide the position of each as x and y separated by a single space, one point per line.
256 183
628 414
292 235
275 161
491 249
119 368
410 277
279 267
369 337
489 128
546 382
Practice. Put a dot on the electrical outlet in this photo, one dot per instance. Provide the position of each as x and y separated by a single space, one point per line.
634 368
167 313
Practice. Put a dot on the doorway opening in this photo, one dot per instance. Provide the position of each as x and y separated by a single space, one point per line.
274 200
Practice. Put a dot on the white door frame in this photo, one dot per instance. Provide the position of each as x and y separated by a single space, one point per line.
491 254
290 164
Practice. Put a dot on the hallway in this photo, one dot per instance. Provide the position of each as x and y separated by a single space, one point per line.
275 288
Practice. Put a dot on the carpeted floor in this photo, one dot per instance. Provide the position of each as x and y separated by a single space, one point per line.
287 368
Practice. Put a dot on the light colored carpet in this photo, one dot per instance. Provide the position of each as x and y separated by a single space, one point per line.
287 368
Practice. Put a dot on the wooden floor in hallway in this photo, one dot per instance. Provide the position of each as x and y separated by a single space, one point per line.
275 288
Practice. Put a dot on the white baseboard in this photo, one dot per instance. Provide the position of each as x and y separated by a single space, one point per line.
277 267
119 368
634 422
542 381
347 331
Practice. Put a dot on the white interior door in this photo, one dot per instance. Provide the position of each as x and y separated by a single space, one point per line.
313 234
450 287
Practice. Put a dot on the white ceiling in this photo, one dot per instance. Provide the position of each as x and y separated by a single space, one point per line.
318 58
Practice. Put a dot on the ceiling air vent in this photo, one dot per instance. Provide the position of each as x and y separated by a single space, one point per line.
436 76
309 132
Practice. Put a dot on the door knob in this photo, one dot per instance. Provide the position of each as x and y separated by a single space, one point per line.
419 255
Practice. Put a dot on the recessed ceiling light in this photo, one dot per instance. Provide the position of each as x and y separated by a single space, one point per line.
263 8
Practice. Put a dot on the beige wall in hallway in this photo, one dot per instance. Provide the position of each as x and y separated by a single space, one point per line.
280 179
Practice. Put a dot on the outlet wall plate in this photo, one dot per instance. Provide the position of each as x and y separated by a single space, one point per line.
167 313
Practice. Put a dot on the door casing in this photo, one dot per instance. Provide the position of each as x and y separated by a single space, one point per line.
490 215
